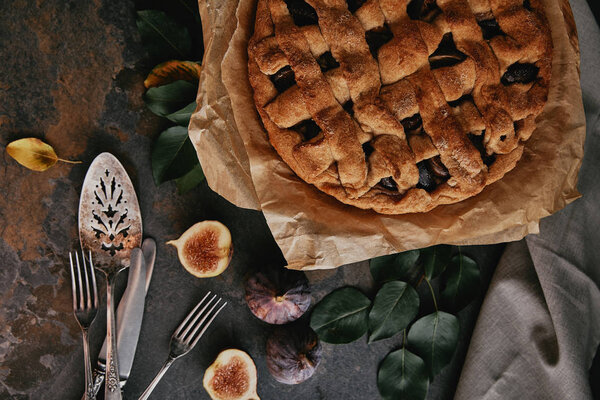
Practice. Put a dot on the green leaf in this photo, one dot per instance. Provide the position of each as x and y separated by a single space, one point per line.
435 259
395 306
402 375
190 180
168 99
341 317
173 155
162 36
401 266
182 117
434 338
462 282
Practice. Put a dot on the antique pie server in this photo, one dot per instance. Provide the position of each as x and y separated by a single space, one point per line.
110 226
129 314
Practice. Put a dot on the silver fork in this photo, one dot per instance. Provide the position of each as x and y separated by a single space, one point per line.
85 308
187 336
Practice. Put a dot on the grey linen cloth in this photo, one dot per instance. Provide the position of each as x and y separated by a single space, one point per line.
539 326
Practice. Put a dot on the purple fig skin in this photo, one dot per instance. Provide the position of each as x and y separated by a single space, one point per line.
278 296
293 353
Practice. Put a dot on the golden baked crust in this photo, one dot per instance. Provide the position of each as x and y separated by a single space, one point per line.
399 105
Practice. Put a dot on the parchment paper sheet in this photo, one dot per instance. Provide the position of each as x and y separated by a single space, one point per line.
313 229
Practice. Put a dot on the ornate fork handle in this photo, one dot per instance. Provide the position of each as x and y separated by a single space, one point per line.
90 394
99 375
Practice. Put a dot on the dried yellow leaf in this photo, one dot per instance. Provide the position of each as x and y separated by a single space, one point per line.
172 71
34 154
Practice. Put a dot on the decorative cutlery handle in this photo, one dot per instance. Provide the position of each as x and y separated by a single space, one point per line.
98 381
112 389
156 379
89 384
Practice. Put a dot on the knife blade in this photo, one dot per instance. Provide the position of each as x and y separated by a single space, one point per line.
130 312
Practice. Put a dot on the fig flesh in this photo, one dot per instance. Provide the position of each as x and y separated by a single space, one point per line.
232 376
278 295
205 249
293 353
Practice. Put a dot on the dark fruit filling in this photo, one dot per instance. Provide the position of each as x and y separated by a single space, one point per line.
426 177
368 149
389 183
519 73
477 141
327 62
438 168
302 12
446 54
527 5
308 129
354 5
283 79
413 124
348 107
490 28
378 37
425 10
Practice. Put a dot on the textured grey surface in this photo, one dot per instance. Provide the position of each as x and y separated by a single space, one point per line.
71 74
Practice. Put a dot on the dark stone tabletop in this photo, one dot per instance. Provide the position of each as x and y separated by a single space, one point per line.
71 74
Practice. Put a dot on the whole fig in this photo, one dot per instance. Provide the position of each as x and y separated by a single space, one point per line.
293 353
277 295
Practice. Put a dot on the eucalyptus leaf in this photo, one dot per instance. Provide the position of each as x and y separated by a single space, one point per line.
341 317
401 266
190 180
434 337
173 155
435 259
395 306
168 99
463 280
182 117
402 375
162 36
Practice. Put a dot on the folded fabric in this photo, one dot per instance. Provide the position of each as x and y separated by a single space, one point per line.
539 326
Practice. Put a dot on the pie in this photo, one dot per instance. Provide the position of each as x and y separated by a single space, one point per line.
400 106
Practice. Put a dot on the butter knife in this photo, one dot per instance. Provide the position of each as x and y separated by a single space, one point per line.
130 313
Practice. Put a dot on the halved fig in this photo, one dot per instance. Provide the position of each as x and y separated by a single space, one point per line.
232 376
278 295
205 249
293 353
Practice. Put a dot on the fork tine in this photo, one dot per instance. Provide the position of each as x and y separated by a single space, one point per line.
93 272
189 316
87 282
197 338
191 325
194 326
81 300
73 282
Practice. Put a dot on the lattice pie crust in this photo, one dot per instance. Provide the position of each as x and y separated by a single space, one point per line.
399 105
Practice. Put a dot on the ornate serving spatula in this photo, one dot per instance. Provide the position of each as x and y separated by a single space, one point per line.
110 226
